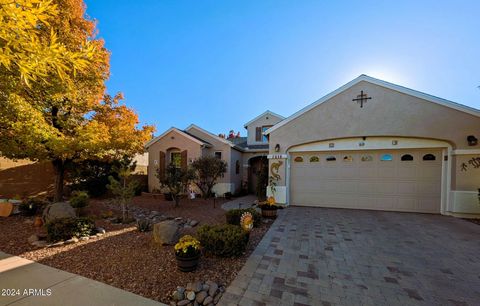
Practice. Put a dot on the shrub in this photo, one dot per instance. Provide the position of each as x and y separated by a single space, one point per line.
144 225
233 216
32 206
79 199
66 228
223 240
92 176
140 187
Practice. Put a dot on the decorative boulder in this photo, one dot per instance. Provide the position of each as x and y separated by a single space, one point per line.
57 211
166 232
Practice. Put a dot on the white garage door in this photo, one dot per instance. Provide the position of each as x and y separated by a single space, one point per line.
399 180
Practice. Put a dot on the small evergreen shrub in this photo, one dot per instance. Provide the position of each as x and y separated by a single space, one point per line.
84 227
144 225
66 228
32 206
79 199
223 240
233 216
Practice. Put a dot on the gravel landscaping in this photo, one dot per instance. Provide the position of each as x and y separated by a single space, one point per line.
126 258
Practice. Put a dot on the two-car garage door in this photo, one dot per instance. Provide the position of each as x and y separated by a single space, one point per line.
397 180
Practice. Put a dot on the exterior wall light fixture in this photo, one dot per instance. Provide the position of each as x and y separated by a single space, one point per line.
472 140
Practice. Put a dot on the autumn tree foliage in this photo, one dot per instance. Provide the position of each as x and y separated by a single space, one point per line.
30 45
53 105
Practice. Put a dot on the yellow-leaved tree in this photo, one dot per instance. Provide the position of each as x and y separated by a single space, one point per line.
53 105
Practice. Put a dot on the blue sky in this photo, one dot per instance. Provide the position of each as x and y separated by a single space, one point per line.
219 64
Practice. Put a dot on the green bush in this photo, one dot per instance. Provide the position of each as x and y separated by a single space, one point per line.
66 228
32 206
223 240
79 199
144 225
233 216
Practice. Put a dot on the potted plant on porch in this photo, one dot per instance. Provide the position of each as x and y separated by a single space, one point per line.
187 253
269 208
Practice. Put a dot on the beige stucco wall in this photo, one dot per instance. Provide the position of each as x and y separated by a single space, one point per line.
262 121
235 178
469 178
217 146
180 141
388 113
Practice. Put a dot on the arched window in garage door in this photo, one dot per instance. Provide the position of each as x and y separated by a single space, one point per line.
429 157
407 157
298 159
386 157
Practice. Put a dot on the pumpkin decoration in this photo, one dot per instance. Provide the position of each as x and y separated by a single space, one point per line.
246 221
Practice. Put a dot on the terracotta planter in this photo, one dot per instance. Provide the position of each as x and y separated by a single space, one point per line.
187 264
269 213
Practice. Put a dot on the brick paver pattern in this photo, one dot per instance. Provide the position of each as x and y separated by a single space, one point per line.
321 256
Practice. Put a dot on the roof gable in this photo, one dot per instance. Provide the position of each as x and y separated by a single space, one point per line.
262 115
174 129
366 78
220 139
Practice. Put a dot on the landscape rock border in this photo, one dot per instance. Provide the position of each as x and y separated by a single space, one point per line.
39 242
198 293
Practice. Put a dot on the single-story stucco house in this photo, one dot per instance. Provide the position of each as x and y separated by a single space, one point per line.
369 144
244 155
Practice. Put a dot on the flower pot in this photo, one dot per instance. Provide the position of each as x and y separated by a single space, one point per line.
269 213
187 264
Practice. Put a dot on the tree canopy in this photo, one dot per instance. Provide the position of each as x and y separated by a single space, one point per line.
30 47
53 105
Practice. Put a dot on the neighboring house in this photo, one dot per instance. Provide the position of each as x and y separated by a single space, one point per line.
141 164
243 155
371 144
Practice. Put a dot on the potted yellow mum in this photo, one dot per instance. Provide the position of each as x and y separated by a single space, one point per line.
269 208
187 252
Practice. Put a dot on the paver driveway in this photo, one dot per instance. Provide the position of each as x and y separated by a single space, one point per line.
319 256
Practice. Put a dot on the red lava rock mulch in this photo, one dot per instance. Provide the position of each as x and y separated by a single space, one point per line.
126 258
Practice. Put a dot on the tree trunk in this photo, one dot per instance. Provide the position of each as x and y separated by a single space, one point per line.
124 210
59 167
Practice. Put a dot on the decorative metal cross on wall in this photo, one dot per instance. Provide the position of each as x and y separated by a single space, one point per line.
361 98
